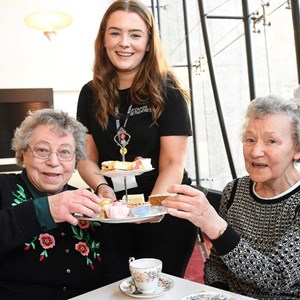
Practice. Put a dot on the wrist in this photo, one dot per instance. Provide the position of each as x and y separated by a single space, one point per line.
99 185
220 232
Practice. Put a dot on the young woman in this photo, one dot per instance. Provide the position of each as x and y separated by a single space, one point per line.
134 90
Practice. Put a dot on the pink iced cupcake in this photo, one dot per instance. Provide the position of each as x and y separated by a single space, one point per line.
117 210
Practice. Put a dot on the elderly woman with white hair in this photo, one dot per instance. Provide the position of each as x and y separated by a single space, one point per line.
256 235
45 252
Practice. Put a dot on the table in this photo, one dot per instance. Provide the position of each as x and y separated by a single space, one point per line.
182 288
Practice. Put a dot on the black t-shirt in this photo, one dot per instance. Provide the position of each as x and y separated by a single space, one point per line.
173 239
145 136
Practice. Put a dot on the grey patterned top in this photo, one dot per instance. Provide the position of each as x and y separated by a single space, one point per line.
259 253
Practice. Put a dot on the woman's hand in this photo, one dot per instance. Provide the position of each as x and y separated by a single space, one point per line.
65 204
105 191
191 204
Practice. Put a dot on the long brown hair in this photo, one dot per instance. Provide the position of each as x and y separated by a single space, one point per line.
151 80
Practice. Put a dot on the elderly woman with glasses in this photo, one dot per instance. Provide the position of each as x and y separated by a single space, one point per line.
46 252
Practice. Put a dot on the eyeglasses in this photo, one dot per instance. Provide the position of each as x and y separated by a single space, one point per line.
44 153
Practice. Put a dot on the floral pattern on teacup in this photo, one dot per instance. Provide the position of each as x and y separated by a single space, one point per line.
146 276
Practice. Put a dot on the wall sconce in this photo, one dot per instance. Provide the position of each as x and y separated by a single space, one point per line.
48 21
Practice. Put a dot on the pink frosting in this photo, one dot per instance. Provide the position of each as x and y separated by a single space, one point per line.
117 210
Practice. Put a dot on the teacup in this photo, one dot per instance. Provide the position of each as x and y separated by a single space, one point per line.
145 273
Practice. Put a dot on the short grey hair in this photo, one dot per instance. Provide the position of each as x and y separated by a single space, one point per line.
272 104
60 121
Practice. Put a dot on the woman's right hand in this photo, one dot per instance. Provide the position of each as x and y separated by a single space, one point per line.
191 204
65 204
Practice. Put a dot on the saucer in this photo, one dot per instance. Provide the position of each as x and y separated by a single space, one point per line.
164 285
210 296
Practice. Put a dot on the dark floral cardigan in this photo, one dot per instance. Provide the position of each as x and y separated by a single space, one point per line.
43 260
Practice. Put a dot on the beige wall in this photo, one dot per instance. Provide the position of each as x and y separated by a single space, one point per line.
29 60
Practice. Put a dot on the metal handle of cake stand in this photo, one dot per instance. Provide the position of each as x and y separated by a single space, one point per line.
125 187
125 180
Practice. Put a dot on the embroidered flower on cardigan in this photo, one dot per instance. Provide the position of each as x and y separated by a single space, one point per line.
47 241
83 224
87 244
82 248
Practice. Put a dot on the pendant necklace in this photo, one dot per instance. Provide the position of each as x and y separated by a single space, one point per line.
122 138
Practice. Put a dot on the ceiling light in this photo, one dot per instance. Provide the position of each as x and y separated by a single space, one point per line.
48 21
